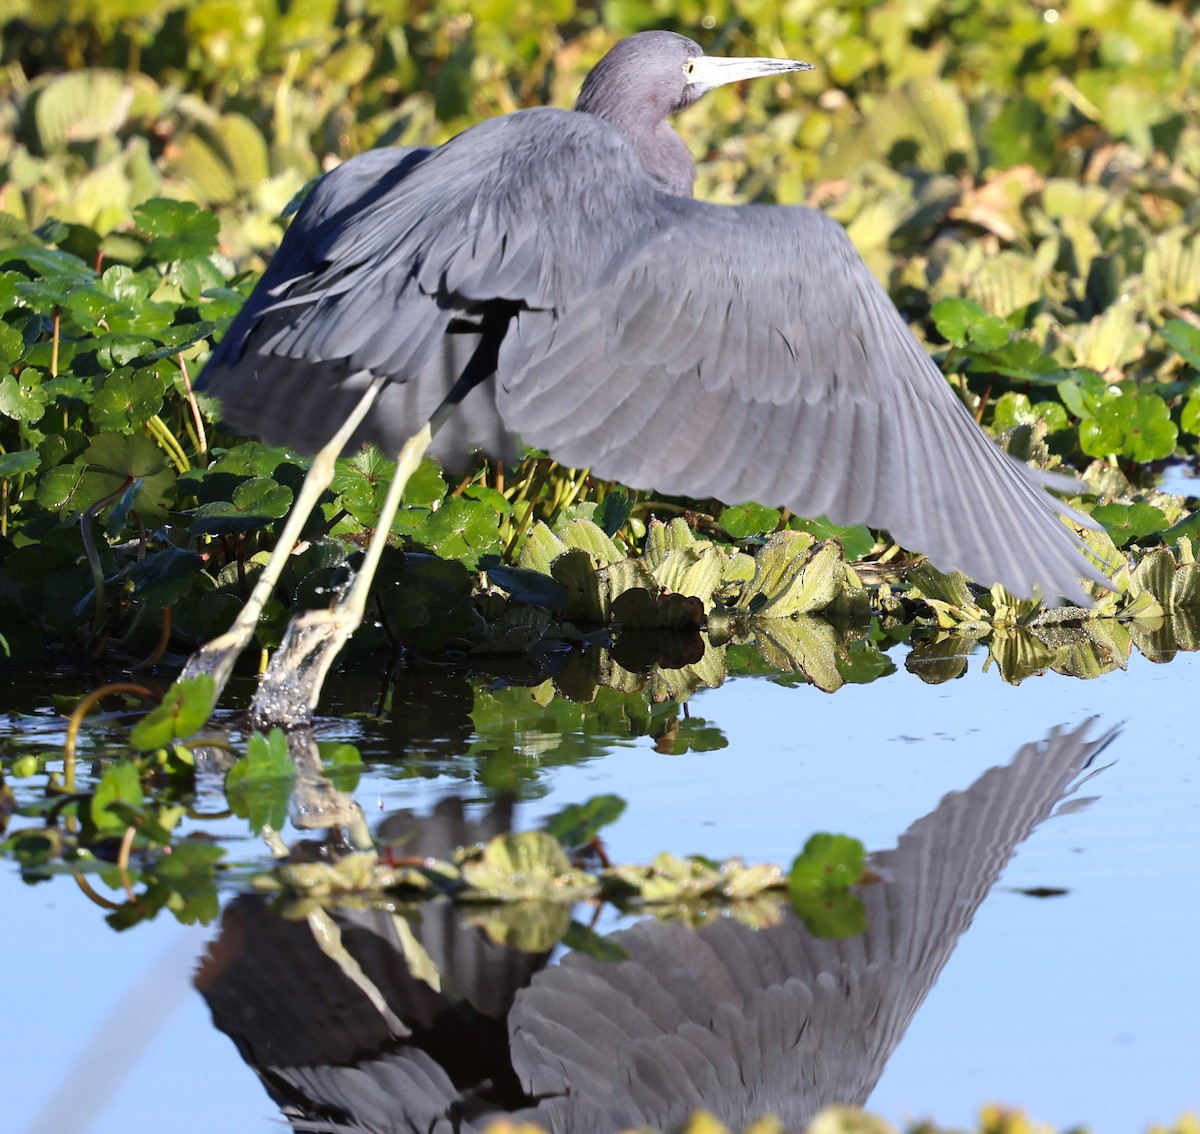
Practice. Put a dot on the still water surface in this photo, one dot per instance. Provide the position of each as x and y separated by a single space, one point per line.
1082 1008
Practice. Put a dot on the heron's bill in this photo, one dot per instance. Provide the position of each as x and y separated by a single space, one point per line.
707 72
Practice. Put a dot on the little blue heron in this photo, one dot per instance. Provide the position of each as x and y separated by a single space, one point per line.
550 271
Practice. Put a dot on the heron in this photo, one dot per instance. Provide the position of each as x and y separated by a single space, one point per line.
548 275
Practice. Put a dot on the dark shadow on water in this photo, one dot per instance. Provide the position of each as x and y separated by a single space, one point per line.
361 1019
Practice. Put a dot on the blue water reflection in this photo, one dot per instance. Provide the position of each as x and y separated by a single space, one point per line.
1083 1008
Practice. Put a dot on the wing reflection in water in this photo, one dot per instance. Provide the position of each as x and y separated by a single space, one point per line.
360 1020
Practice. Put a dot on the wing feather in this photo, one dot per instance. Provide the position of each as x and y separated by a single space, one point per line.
781 324
391 254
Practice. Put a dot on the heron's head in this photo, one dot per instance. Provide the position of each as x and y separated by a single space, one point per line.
653 74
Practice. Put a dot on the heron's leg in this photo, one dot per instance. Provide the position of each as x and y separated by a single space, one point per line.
218 656
291 687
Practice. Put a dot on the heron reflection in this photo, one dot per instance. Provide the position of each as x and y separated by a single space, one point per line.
388 1024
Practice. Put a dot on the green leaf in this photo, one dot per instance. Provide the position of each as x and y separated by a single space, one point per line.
1104 434
12 345
831 916
61 270
856 541
111 464
249 458
865 663
121 783
82 106
126 285
819 886
427 600
1189 417
670 878
1186 528
485 494
120 457
540 549
1082 392
343 764
256 502
35 848
360 484
340 755
963 323
155 829
583 939
461 529
18 462
587 536
1185 338
194 276
612 512
749 519
165 576
21 400
177 229
1013 409
579 823
804 644
828 863
529 587
527 866
1129 425
1022 134
426 486
1129 522
793 575
185 710
695 734
121 349
1022 359
127 400
259 785
189 873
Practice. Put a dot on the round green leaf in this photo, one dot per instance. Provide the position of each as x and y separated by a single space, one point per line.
1127 522
749 519
178 229
963 323
256 502
16 463
828 863
184 711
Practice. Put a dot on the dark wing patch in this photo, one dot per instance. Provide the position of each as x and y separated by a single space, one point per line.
402 264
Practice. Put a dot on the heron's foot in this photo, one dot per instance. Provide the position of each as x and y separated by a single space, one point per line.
290 689
316 803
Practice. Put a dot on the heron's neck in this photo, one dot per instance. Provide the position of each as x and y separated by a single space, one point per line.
667 160
662 152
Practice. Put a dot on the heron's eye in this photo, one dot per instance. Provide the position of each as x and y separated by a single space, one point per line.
688 68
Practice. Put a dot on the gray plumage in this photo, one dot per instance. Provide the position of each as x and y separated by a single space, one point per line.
739 1021
554 262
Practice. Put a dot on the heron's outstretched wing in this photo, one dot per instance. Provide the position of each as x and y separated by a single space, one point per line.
748 354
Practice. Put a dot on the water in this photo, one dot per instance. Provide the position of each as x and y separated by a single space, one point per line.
1081 1008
